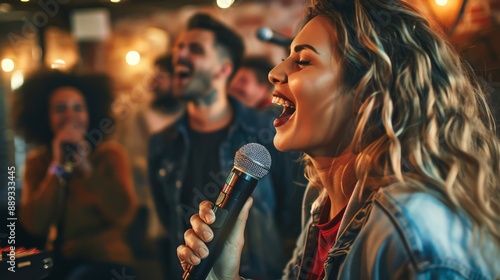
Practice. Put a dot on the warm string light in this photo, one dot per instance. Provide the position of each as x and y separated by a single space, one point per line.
448 13
133 58
17 79
7 65
5 8
442 3
224 4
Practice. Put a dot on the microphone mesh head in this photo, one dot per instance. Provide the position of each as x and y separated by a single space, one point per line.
253 159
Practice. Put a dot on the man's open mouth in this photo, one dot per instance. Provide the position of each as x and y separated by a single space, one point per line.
182 71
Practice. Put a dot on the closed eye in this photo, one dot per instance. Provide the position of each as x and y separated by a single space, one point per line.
302 62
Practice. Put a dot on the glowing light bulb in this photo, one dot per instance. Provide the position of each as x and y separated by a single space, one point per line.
115 1
25 0
442 3
5 8
17 79
224 4
7 65
133 58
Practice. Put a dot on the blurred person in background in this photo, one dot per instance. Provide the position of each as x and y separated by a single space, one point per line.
77 187
160 84
190 160
158 109
250 85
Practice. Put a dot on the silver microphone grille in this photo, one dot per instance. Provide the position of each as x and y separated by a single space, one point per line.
253 159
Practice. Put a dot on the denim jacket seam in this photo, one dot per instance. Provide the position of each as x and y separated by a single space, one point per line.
449 264
392 211
421 263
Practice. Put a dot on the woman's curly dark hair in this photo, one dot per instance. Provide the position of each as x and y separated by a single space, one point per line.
30 110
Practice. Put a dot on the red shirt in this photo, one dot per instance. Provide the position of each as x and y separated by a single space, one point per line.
328 230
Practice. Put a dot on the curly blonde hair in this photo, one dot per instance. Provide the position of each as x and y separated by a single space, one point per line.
421 116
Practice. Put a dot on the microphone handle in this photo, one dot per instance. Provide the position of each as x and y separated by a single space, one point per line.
238 187
69 149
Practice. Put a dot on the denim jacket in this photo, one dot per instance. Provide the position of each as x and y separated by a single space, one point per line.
272 219
394 233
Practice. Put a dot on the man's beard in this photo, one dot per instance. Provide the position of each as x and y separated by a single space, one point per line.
199 89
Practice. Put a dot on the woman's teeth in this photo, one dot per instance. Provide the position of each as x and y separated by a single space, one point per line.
280 101
286 114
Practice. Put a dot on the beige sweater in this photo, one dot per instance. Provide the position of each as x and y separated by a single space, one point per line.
98 208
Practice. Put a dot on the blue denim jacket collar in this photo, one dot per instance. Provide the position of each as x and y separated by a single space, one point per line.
382 237
355 214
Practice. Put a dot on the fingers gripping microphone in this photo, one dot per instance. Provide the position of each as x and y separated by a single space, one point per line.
266 34
251 163
69 151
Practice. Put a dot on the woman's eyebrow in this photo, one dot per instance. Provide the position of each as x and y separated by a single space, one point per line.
298 48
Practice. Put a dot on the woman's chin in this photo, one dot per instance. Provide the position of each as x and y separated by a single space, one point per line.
277 143
281 144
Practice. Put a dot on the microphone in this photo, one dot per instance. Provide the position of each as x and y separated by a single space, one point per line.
266 34
70 149
69 160
251 162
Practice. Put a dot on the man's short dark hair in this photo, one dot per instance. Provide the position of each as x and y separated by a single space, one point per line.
224 37
260 66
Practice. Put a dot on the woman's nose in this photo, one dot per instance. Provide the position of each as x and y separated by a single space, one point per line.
181 51
69 113
277 75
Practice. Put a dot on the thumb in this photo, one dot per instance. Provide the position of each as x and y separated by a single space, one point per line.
229 264
236 238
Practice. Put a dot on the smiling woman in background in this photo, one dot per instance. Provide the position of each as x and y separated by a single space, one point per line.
402 159
75 183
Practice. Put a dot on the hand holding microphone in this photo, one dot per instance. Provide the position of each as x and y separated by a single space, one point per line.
215 242
227 265
68 136
65 150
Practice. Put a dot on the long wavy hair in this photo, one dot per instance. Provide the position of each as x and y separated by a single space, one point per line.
420 114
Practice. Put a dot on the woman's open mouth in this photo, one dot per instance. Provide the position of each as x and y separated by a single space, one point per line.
288 109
